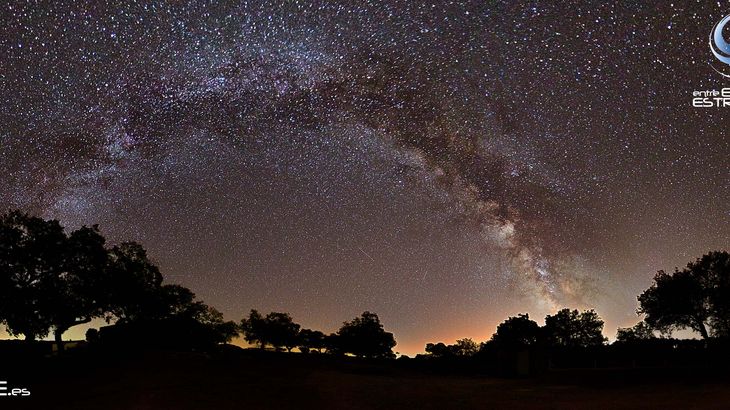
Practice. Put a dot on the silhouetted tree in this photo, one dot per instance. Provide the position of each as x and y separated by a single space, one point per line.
254 329
282 331
173 300
32 252
516 332
332 344
640 331
439 349
697 297
364 336
49 280
221 331
276 329
311 340
166 315
462 348
78 291
569 328
133 284
179 303
465 347
92 335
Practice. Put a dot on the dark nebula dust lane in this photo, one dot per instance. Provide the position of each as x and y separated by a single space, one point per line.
444 164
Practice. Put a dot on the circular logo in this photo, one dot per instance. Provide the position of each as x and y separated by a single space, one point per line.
719 47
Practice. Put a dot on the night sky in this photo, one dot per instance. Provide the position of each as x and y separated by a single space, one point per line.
444 164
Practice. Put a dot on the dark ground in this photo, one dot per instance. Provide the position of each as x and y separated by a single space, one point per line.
241 379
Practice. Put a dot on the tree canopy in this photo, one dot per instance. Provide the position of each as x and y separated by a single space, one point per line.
134 283
640 331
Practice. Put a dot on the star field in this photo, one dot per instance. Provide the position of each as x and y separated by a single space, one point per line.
444 164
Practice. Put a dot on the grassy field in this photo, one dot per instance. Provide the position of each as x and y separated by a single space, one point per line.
250 380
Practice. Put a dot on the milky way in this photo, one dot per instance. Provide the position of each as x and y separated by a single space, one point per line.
444 164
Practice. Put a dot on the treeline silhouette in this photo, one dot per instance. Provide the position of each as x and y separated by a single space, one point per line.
51 280
696 298
363 336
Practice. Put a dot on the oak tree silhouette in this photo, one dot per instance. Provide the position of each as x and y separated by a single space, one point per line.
48 280
516 332
570 328
276 329
311 340
696 297
364 336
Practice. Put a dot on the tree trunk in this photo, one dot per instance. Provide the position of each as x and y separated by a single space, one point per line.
703 330
61 329
58 333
